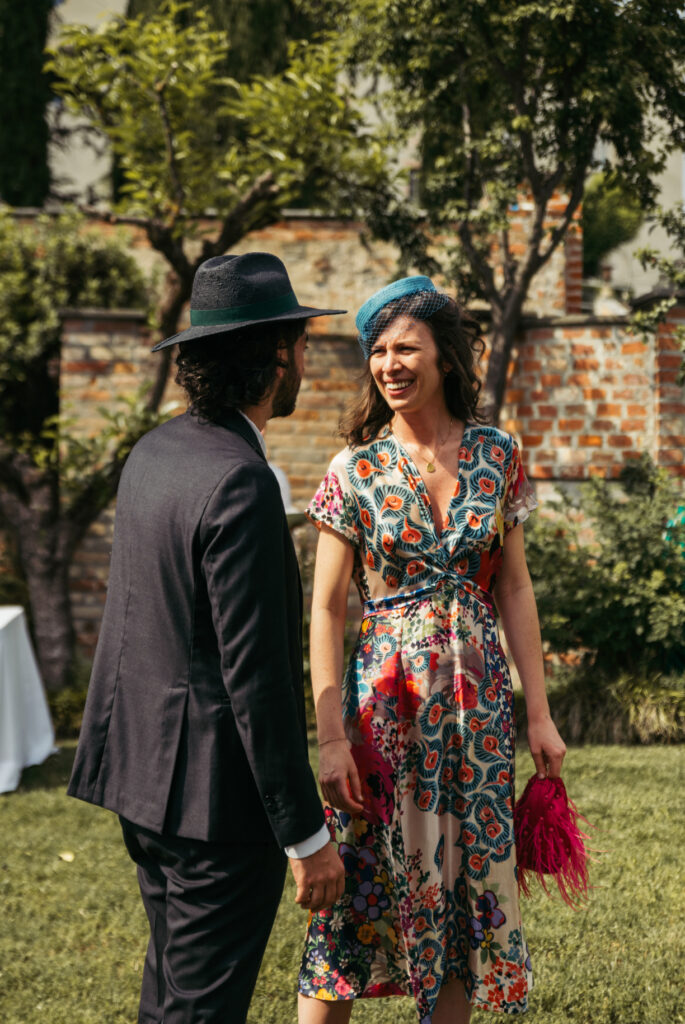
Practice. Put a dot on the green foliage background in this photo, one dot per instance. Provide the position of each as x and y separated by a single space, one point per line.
611 216
609 573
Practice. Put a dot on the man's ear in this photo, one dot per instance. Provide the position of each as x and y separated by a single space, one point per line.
282 360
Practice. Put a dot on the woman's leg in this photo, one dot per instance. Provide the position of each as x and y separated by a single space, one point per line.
452 1006
324 1011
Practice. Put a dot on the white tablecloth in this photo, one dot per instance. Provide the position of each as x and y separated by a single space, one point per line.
26 733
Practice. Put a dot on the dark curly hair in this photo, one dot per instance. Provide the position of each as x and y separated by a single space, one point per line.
233 370
459 342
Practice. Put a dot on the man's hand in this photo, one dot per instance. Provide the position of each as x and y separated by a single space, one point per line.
320 879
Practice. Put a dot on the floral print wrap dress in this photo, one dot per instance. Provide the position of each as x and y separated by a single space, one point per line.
431 891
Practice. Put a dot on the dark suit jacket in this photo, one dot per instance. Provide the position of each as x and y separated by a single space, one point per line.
194 724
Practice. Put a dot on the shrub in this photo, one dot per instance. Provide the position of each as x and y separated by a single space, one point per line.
609 574
591 706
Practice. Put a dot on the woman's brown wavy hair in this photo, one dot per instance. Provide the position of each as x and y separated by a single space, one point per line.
460 344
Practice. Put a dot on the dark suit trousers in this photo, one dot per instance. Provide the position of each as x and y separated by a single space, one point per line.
211 907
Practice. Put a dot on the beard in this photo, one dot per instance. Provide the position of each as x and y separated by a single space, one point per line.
285 398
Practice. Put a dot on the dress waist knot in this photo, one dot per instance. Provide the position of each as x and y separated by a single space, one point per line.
446 586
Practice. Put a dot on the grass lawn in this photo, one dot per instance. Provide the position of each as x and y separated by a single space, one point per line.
73 931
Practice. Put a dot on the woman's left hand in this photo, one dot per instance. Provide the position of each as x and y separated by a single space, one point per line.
546 747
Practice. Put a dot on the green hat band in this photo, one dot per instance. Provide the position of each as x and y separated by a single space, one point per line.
251 311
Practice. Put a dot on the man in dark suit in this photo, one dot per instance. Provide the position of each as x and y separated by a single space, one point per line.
194 730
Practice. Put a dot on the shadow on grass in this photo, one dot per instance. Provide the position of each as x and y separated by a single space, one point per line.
53 773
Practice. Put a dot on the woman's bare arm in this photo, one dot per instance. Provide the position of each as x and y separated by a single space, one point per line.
337 771
516 605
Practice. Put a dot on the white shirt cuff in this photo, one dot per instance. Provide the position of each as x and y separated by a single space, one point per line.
309 846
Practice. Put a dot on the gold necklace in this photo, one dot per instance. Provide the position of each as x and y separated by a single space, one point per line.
430 463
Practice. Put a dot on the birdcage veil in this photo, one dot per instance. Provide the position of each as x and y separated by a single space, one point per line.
415 297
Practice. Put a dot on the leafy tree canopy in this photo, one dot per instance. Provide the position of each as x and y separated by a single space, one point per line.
611 216
54 481
505 100
258 31
151 86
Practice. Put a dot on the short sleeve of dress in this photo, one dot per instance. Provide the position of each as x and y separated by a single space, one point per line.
332 506
519 498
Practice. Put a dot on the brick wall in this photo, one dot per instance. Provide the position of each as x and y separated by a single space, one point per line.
583 396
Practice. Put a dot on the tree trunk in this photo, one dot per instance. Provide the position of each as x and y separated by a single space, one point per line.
502 338
47 578
177 293
31 516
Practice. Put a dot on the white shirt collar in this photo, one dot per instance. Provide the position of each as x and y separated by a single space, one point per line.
258 433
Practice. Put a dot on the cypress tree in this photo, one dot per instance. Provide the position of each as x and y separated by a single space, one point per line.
24 94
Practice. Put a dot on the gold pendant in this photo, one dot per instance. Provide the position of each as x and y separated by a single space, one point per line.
430 468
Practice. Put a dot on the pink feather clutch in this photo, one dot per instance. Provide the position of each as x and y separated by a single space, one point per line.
549 840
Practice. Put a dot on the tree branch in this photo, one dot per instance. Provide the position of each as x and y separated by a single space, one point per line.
479 264
178 190
89 503
234 225
559 232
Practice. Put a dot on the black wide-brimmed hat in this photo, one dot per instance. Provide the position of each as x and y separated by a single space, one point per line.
236 291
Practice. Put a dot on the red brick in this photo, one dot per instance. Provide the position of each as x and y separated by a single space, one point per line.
666 377
630 348
572 472
602 426
540 424
547 410
611 409
530 365
570 424
590 441
634 424
513 395
541 472
620 441
666 361
594 393
670 456
583 380
550 380
586 364
531 440
672 408
582 350
668 341
672 440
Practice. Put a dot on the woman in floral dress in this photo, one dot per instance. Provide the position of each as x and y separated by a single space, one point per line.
424 510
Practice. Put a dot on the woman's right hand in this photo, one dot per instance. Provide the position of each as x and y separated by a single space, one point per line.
339 777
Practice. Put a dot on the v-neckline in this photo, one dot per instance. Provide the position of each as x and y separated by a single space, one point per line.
427 506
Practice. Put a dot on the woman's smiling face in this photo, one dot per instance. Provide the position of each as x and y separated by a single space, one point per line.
405 364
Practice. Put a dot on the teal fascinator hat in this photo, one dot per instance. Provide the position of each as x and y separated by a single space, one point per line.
421 300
